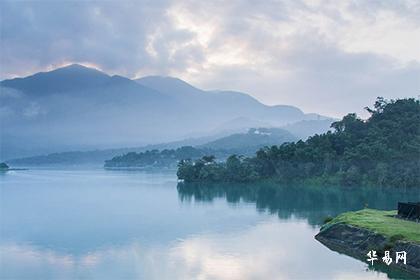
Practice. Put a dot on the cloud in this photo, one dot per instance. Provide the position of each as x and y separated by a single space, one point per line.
331 57
112 35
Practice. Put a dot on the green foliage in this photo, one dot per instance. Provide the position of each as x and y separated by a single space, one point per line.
383 150
3 166
155 158
328 219
382 222
235 169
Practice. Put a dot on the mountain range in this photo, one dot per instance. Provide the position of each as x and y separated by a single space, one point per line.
80 108
248 143
238 143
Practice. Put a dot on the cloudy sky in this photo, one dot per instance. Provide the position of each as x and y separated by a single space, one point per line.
330 57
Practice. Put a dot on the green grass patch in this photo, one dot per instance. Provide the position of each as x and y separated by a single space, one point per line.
381 222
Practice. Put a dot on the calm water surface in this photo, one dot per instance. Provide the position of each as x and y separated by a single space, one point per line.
97 224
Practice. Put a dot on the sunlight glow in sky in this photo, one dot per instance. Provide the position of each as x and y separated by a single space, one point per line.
330 57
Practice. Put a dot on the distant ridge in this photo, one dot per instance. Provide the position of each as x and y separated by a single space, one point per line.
252 140
72 77
168 85
75 107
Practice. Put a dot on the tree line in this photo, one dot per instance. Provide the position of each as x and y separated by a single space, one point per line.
167 158
383 150
154 158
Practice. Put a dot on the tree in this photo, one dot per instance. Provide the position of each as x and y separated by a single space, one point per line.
208 159
3 166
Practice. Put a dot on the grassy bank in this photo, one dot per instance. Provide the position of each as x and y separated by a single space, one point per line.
381 222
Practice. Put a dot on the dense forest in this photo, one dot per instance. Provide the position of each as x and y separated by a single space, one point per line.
167 158
383 150
153 158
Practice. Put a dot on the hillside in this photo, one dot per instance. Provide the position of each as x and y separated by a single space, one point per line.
230 104
240 143
306 128
79 108
251 141
69 78
98 157
167 158
384 150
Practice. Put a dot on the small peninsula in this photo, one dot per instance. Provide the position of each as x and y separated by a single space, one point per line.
356 233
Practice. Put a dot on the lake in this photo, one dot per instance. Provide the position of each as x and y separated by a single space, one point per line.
99 224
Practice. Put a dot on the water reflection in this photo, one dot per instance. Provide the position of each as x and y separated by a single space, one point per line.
261 252
96 224
310 203
313 203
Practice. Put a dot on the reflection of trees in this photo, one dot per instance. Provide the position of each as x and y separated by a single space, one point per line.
313 203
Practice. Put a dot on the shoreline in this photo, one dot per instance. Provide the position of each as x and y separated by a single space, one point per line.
356 241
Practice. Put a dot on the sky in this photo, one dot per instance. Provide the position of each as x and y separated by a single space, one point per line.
329 57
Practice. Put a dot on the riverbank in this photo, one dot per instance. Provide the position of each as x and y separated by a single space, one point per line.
357 233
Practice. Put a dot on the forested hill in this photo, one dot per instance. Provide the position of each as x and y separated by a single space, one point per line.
241 143
383 150
166 158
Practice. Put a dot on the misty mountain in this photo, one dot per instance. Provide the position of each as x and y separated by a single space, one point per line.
79 108
241 143
171 86
304 129
71 78
245 143
251 141
240 125
225 105
98 157
47 113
